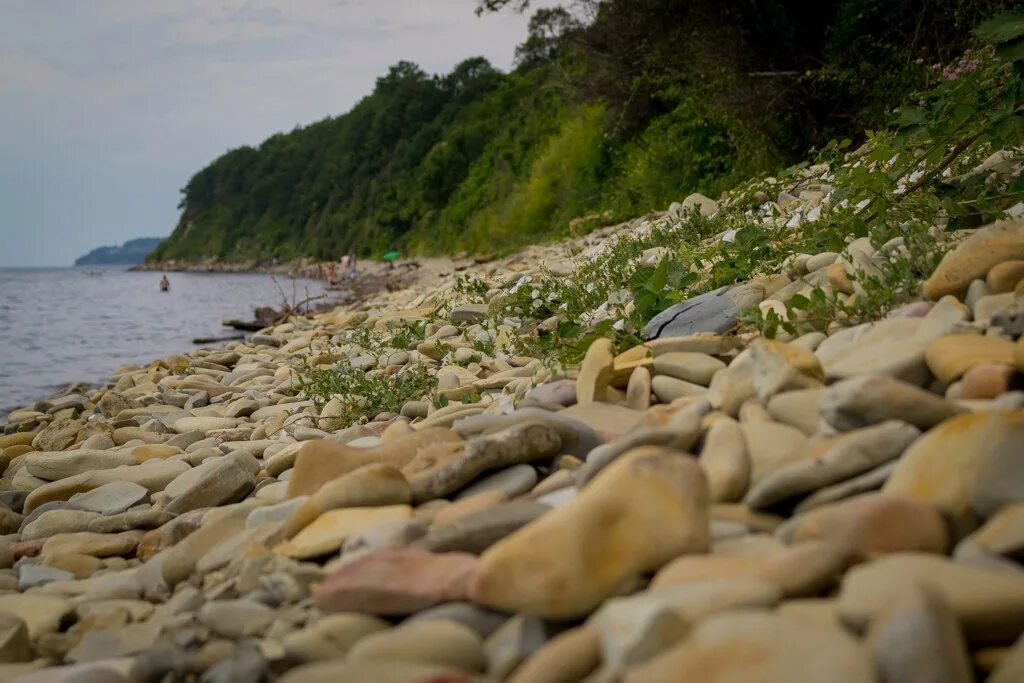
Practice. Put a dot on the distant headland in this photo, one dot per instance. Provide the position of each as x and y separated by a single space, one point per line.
131 252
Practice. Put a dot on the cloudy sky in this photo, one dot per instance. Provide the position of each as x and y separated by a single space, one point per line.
107 107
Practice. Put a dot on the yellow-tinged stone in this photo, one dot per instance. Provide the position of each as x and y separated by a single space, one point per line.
1018 354
332 528
942 466
1005 277
467 506
797 357
622 370
951 356
631 355
154 451
986 248
17 439
837 277
319 461
565 563
20 449
596 372
369 486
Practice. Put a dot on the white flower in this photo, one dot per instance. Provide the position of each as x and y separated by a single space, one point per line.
619 325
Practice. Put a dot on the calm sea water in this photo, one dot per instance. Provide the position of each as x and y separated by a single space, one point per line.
61 325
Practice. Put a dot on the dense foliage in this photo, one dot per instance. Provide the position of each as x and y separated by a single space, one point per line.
616 107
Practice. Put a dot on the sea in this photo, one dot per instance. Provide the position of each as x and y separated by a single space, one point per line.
64 325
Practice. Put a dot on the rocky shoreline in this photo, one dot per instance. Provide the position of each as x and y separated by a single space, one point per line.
843 505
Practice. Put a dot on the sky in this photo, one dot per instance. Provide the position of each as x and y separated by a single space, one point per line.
107 107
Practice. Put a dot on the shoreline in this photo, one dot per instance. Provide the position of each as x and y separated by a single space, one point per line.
425 470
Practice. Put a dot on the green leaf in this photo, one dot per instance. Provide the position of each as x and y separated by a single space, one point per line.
1001 28
799 302
660 276
1012 51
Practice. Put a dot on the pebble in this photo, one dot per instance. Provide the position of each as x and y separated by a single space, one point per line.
975 257
950 357
557 567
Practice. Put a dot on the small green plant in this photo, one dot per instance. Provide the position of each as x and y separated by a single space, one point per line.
364 394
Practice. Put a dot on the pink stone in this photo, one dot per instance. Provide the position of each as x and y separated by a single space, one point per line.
397 581
987 380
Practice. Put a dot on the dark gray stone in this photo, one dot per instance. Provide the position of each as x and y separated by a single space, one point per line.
716 311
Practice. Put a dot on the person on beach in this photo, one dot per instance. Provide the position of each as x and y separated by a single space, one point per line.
330 274
165 284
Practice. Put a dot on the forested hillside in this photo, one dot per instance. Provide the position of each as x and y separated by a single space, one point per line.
615 107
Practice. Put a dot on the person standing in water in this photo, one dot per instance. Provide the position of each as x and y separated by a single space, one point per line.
165 284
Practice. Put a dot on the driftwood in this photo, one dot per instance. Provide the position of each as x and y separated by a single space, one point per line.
211 340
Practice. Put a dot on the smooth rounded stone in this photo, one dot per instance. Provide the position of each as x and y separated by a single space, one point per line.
716 311
159 451
893 347
696 368
127 435
822 260
434 642
751 646
33 575
109 670
276 513
802 570
988 307
943 468
999 478
512 481
987 380
638 390
948 308
236 618
54 521
468 506
42 614
330 637
153 476
396 581
216 529
848 455
478 531
400 532
680 433
560 392
668 389
377 672
870 399
782 367
565 563
578 438
637 627
10 521
203 424
246 663
772 446
1005 276
14 640
951 356
569 657
871 525
918 638
438 473
988 603
725 461
137 518
513 643
872 480
973 258
55 466
332 528
318 462
225 482
595 372
1003 534
797 408
110 499
481 620
88 543
607 421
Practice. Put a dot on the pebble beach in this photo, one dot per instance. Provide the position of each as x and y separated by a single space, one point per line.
708 504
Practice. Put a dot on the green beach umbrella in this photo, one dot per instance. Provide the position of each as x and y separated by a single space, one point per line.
391 256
